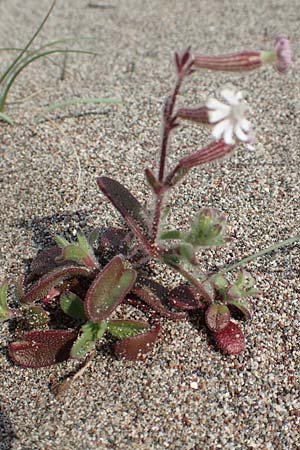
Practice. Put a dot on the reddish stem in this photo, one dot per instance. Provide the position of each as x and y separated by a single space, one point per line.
167 127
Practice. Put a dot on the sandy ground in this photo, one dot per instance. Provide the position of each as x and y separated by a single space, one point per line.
186 395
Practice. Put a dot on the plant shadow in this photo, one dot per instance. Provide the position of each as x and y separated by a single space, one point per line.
7 434
41 227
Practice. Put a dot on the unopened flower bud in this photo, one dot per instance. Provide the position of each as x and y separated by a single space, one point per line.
281 56
233 62
199 115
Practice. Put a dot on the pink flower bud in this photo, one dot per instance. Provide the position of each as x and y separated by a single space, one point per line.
233 62
283 54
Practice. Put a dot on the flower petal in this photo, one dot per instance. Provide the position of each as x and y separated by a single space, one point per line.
245 125
221 128
240 134
228 135
218 114
231 97
213 103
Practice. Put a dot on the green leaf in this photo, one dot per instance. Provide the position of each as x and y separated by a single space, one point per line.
187 252
72 305
122 329
83 242
80 252
61 241
72 252
90 333
171 234
242 307
4 309
36 316
108 289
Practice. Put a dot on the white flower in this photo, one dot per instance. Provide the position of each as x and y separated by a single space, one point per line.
229 119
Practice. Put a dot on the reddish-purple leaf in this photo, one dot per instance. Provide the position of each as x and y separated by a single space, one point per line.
186 55
127 205
135 347
42 348
46 261
186 298
230 340
217 317
53 279
153 182
155 295
113 241
108 289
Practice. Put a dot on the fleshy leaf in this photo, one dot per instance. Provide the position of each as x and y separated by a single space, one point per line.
240 307
230 340
108 289
53 279
135 347
90 333
217 317
36 316
112 241
42 348
72 305
127 205
122 329
46 261
156 296
4 309
80 252
186 298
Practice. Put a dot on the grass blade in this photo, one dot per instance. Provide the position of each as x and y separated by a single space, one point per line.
78 101
15 61
31 60
5 118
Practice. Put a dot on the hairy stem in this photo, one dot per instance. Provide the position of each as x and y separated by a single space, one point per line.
188 276
267 250
167 127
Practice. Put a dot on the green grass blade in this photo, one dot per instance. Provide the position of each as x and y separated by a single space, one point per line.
5 118
15 61
31 60
49 44
78 101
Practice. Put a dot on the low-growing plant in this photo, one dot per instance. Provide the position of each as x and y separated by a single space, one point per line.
27 55
78 291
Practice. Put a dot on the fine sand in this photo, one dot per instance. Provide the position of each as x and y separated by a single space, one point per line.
186 395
